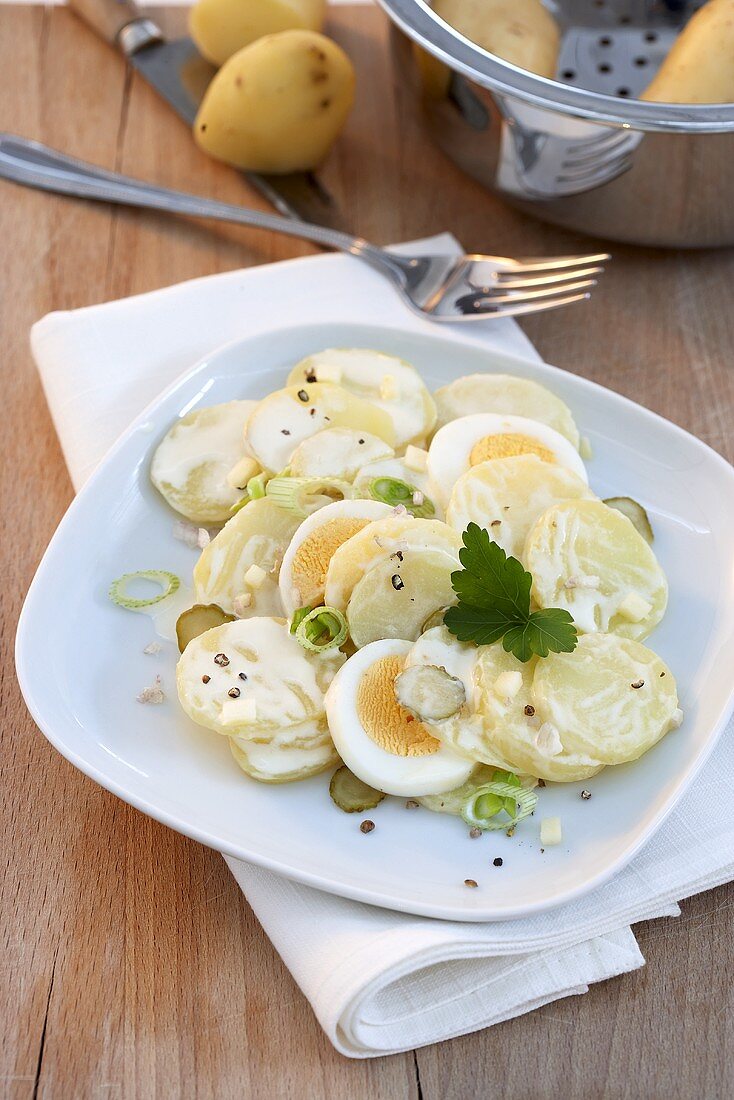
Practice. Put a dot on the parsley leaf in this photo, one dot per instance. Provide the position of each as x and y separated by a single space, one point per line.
494 603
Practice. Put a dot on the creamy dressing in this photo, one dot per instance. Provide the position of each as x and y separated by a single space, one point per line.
337 453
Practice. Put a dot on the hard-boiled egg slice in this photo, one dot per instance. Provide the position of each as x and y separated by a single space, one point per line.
380 741
284 419
306 561
337 452
507 495
257 535
384 539
507 395
251 678
385 380
192 461
466 442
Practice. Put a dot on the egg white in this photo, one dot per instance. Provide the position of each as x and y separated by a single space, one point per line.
434 773
451 447
339 509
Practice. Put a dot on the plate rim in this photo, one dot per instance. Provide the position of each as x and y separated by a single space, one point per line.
322 881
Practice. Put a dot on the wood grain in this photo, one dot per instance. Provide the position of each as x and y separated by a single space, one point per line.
131 964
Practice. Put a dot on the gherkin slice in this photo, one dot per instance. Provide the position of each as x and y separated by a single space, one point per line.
635 513
352 795
197 620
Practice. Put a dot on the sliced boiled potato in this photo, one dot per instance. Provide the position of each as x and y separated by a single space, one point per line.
283 420
397 594
522 32
505 394
466 731
277 105
700 66
380 541
259 535
306 561
513 726
590 560
338 453
191 463
611 699
390 383
507 496
220 28
251 678
277 762
396 468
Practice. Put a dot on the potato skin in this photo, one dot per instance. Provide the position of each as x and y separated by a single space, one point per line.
278 105
700 66
222 27
522 32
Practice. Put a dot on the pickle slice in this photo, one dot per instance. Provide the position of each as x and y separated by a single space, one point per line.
197 620
352 795
635 513
429 692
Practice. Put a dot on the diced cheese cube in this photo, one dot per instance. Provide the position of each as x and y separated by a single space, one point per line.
254 576
550 831
416 458
328 372
236 712
241 473
507 684
634 607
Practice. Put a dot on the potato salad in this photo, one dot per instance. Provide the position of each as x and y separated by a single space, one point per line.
419 593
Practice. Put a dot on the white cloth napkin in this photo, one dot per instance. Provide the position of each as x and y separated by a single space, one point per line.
379 982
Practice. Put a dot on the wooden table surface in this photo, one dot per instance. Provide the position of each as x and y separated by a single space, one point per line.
131 964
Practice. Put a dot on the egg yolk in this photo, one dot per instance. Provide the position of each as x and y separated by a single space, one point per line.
383 719
508 445
311 560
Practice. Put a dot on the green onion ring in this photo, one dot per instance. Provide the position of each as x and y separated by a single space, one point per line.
169 581
298 494
298 616
393 491
257 487
525 802
314 624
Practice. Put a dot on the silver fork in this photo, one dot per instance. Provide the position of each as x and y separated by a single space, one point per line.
441 288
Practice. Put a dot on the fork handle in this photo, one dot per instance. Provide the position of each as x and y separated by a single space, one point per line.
35 165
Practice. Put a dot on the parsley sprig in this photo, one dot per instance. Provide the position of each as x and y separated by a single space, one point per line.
494 603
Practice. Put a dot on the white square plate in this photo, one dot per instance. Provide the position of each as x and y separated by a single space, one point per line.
80 660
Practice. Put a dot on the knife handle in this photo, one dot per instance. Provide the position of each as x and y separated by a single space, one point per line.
109 18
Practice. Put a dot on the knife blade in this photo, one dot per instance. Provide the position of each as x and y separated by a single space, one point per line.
180 75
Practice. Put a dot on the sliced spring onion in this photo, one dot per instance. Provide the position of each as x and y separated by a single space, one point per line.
635 513
169 583
239 505
320 629
256 487
393 491
299 495
483 808
352 795
298 616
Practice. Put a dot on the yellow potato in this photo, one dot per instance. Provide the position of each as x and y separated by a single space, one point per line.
700 66
277 105
522 32
222 27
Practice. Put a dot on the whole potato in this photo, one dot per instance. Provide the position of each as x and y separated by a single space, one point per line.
700 66
222 27
277 105
522 32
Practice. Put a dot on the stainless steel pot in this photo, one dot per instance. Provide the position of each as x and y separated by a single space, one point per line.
581 150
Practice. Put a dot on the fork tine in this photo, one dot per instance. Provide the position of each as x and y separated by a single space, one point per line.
484 294
508 281
551 263
533 307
